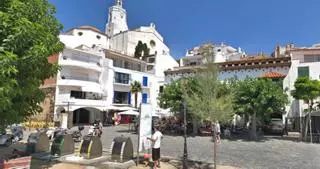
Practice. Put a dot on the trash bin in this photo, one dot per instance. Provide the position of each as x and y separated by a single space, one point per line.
62 145
37 143
91 147
121 149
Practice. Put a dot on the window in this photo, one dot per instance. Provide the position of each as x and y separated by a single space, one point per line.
78 94
152 43
98 37
311 58
145 81
152 60
80 33
121 97
144 98
121 78
161 89
126 64
303 71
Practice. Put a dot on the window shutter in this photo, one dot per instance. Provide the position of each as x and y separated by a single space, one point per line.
145 81
129 97
144 97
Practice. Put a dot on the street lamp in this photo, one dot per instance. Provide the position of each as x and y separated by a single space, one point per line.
185 150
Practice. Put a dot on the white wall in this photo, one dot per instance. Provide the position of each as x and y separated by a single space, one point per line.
127 42
295 107
88 38
135 76
163 63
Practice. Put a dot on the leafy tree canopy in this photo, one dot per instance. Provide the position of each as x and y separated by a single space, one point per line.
173 94
306 89
209 98
141 50
260 96
28 35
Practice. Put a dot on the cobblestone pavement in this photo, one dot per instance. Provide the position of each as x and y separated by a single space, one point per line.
273 153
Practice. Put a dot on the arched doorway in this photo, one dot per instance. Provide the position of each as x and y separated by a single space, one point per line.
86 115
81 116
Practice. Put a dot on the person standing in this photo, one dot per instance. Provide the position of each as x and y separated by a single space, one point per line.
218 131
156 143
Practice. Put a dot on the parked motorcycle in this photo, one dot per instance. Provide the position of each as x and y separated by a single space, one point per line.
95 130
15 134
77 135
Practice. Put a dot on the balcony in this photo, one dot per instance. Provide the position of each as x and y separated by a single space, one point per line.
78 81
86 64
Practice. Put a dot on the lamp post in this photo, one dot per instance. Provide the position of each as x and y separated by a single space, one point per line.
185 149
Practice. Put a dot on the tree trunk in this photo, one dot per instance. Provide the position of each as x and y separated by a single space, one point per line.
135 99
215 149
306 122
254 127
309 116
195 127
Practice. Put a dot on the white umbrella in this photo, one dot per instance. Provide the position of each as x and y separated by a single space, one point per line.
130 112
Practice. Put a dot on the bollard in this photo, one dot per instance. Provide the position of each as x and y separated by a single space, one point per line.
90 147
121 149
38 143
62 145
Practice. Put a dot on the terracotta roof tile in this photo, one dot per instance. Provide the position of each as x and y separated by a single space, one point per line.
273 75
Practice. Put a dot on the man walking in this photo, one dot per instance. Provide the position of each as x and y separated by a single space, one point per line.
156 143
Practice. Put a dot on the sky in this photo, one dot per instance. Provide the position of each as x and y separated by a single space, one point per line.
253 25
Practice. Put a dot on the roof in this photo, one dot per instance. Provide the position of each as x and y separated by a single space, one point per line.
238 65
273 75
88 27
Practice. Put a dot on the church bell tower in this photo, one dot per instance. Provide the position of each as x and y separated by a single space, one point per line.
117 19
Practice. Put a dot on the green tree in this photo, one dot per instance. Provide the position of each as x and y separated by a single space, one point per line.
259 98
307 90
138 49
28 35
172 95
141 50
210 99
135 88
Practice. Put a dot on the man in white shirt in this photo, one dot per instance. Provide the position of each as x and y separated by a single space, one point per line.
156 143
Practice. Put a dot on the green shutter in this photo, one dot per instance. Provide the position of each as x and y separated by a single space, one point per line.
303 71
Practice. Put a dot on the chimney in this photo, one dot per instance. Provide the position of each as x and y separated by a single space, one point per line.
291 45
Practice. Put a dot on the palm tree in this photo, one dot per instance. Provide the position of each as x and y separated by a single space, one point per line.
135 88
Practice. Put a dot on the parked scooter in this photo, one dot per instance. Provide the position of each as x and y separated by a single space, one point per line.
77 135
15 134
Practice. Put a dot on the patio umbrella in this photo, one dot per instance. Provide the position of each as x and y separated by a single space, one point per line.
130 112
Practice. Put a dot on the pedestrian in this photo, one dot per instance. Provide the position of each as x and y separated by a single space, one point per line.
215 128
218 131
156 143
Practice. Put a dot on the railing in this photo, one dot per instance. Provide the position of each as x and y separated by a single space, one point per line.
82 59
79 78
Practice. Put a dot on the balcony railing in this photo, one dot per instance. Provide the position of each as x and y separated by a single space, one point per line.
82 59
82 78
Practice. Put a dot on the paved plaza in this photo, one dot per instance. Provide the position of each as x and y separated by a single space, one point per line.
270 153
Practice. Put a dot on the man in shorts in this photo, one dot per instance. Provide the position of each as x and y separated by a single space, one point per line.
156 143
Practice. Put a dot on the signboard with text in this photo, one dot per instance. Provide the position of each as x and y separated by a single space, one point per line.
145 126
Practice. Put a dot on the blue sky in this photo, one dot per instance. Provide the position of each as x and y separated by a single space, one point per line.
253 25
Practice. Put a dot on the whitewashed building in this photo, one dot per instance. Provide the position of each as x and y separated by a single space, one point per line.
97 69
220 53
